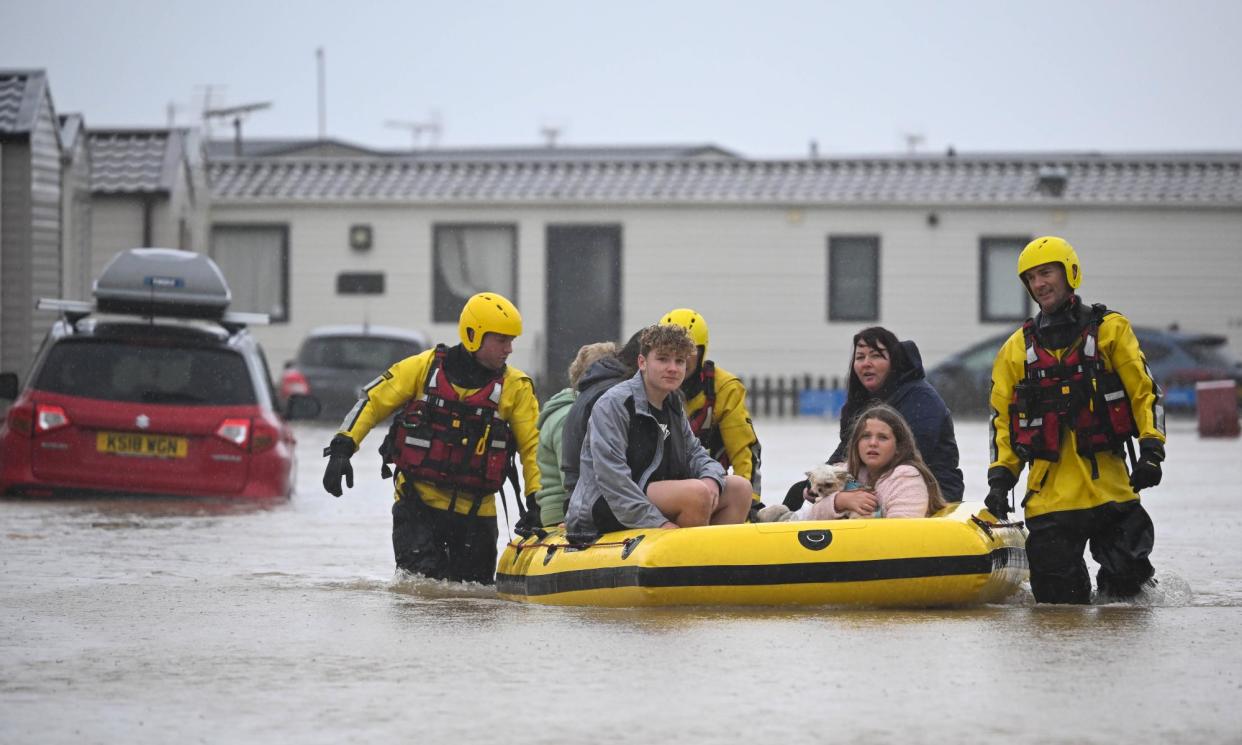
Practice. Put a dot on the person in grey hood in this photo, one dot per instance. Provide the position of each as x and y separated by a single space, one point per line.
641 465
552 496
600 376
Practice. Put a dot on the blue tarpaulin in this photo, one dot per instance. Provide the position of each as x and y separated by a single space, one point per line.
821 403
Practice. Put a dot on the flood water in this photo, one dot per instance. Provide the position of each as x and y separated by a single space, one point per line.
198 621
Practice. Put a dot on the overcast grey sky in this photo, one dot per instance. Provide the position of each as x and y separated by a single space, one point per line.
763 78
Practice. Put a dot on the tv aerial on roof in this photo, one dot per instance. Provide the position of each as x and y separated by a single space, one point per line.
432 127
237 114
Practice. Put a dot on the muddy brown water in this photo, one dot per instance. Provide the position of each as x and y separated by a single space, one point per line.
141 620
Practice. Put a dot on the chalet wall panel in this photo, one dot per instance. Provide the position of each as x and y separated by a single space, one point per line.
75 223
116 225
45 248
16 309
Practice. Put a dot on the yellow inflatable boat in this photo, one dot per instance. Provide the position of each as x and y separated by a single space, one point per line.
960 556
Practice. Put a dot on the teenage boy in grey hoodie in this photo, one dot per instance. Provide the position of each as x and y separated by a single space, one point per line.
641 466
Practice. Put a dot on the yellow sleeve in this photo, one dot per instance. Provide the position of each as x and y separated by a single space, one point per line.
736 429
384 395
1007 370
1121 352
520 408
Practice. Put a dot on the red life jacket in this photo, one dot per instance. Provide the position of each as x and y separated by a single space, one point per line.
460 443
1076 392
703 422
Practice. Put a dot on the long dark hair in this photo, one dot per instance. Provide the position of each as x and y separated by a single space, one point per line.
857 397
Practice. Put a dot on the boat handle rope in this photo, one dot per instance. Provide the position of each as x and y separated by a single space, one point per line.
986 526
519 547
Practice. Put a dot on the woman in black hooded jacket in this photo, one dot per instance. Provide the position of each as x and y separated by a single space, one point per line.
883 369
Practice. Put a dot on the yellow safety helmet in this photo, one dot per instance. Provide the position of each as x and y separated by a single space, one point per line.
1049 250
487 312
692 322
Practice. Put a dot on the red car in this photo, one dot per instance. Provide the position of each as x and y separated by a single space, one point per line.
154 403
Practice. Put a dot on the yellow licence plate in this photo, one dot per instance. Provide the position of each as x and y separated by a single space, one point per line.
147 446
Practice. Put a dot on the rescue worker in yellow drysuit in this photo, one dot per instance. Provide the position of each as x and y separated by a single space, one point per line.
1069 391
465 418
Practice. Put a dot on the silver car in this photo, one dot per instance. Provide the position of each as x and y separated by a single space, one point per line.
335 362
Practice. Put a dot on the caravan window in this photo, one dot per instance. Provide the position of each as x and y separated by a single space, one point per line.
1001 294
469 259
255 262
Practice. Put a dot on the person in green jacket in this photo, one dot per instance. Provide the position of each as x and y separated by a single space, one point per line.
551 497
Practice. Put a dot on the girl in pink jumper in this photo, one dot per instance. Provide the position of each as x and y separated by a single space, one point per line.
883 458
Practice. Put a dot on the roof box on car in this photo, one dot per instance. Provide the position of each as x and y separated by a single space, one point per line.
164 282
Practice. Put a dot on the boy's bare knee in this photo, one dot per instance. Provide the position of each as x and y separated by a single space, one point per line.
702 492
737 484
698 501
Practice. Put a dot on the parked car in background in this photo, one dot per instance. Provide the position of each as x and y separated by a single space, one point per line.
155 388
1177 360
334 363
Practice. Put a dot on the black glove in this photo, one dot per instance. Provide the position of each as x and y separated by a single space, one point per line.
753 517
1147 470
338 452
531 521
793 497
1000 483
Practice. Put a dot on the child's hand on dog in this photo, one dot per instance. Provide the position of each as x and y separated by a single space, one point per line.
859 501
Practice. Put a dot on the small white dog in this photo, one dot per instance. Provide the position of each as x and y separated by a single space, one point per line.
823 481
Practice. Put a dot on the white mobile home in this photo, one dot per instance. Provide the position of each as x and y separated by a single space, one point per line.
786 259
30 233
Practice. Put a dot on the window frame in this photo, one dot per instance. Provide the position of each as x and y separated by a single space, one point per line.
874 240
283 228
443 227
985 243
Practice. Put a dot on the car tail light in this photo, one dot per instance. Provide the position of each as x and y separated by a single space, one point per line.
236 431
293 382
21 419
264 437
49 418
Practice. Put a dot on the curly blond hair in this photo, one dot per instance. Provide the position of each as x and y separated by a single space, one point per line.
666 337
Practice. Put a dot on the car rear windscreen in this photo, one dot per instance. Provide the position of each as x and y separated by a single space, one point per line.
356 352
146 372
1211 354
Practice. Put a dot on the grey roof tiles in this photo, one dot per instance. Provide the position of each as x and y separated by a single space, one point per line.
1141 179
20 94
125 161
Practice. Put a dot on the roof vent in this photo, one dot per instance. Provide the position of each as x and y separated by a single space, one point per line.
1052 180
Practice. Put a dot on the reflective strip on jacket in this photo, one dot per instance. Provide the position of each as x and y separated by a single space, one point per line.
731 417
1067 484
405 380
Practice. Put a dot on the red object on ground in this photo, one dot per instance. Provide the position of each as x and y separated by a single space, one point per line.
1217 404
